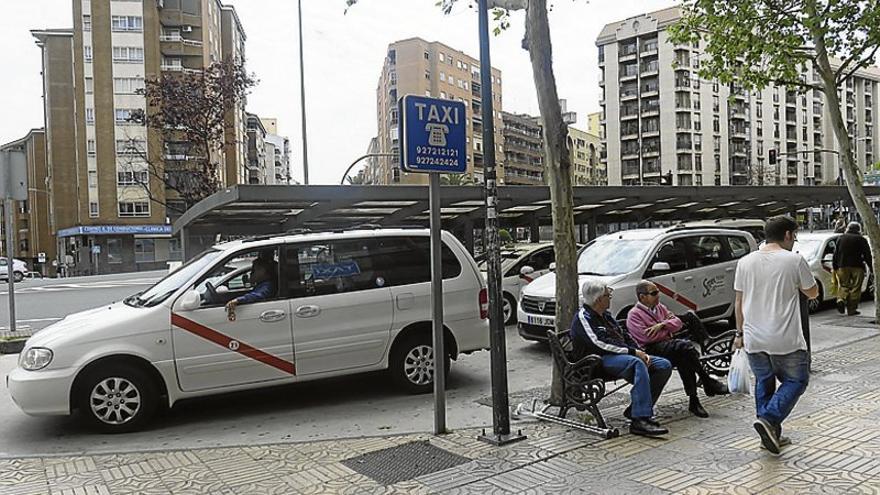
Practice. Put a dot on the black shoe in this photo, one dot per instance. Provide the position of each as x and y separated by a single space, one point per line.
696 408
645 428
841 307
768 435
854 313
627 413
714 387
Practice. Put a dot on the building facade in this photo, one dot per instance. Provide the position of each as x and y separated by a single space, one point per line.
659 118
280 156
109 209
257 154
418 67
524 152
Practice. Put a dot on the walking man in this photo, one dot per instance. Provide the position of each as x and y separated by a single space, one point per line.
768 323
851 256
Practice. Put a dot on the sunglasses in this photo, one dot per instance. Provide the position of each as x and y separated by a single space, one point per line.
652 293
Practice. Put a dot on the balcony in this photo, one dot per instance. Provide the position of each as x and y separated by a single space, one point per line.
650 110
174 45
651 68
627 52
651 151
649 49
738 133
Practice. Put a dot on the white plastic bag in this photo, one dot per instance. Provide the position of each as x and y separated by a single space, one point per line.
738 380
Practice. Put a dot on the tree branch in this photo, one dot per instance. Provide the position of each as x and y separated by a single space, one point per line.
864 62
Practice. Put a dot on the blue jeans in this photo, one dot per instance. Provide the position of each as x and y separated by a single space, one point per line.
647 380
792 370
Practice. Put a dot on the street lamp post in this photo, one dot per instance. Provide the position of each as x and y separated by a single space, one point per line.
302 96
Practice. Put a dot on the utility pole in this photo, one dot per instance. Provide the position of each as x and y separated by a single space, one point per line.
302 95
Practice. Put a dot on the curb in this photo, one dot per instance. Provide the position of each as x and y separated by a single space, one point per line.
12 346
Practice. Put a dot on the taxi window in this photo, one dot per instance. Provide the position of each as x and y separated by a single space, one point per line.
739 247
707 250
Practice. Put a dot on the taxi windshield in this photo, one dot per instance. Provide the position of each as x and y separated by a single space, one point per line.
612 256
169 285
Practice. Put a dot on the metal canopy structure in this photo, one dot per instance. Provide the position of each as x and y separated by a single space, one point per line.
258 210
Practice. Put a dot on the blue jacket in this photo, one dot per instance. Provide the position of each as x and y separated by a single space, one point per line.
263 291
592 333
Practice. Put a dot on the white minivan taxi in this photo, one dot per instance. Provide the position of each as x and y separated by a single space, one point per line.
692 268
341 303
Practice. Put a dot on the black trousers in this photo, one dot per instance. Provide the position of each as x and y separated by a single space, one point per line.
683 354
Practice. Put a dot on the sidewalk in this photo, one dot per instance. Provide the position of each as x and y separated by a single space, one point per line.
834 430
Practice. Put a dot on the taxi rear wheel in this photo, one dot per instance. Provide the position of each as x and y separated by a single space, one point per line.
118 399
412 363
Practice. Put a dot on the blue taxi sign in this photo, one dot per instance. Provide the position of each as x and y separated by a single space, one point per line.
434 133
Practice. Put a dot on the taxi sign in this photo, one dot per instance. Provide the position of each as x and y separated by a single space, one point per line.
434 133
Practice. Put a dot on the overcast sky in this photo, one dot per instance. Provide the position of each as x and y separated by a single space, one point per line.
343 58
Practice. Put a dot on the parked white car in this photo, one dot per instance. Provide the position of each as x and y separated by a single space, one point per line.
19 267
693 268
344 303
534 257
818 249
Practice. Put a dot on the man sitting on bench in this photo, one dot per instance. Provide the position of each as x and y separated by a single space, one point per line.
595 331
654 327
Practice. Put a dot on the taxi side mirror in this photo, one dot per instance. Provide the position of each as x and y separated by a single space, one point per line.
189 301
552 267
660 266
829 258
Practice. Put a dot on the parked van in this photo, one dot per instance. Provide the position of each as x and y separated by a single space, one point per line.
692 268
342 303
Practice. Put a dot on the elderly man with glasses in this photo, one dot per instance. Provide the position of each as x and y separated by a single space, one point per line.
595 331
654 327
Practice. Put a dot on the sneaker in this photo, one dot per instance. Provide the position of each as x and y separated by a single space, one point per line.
841 306
768 435
784 441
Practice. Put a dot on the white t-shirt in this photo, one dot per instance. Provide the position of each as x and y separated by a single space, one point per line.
770 282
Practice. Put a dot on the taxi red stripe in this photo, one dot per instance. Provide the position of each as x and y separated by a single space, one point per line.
224 340
677 297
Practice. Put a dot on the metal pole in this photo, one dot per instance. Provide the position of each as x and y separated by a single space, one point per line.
10 246
437 307
368 155
302 95
500 405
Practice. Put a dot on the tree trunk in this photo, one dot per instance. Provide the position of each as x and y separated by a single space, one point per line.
557 168
851 173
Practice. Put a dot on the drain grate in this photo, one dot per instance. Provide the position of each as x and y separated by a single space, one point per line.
404 462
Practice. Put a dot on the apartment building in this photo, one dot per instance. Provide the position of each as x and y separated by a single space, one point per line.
233 48
98 161
523 149
280 153
34 243
659 117
524 152
418 67
257 154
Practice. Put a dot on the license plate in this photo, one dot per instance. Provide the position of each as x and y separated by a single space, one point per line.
543 321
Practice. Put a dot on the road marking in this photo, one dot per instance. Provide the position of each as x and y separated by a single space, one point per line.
232 344
81 286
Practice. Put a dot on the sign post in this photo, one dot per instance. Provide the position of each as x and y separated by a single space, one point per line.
13 187
434 133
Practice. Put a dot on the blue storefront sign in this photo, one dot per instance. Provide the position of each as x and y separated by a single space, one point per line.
434 133
115 230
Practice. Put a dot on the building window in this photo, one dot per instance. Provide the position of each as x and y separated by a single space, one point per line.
428 75
175 252
87 22
126 23
87 53
127 85
442 57
90 85
93 179
144 250
124 115
90 146
443 76
427 56
114 251
134 209
93 209
90 115
131 146
131 178
128 54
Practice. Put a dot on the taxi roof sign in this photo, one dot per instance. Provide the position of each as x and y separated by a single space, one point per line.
434 133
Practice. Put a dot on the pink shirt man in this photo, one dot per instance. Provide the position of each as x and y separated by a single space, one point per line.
641 318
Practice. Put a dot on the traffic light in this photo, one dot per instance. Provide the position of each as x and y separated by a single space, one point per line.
772 157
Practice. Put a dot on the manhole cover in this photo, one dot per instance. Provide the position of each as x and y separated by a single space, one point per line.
404 462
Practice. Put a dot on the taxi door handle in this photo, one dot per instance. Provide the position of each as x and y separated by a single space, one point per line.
729 269
272 315
308 311
688 279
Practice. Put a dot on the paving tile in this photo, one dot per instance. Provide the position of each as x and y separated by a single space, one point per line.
136 484
71 481
25 488
99 489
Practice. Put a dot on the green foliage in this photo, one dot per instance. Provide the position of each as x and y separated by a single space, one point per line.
505 236
755 43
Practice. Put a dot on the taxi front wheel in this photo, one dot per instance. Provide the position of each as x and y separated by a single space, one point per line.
117 399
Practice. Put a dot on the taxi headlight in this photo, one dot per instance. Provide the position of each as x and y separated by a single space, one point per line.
35 358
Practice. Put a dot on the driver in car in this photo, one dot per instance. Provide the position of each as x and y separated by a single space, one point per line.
262 271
